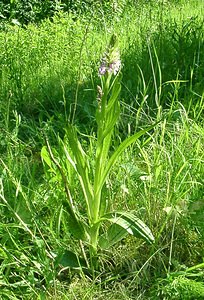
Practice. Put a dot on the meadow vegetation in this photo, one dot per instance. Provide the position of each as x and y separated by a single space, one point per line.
48 89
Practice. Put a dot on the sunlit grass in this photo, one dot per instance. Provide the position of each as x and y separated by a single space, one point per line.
48 69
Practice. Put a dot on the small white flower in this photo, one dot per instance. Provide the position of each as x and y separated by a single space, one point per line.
168 209
124 189
145 177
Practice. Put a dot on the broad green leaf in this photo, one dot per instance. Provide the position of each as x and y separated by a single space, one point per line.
77 149
131 224
82 165
114 234
76 226
69 159
104 146
125 144
46 157
114 96
70 259
111 123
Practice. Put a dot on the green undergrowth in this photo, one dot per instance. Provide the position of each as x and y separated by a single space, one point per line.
49 78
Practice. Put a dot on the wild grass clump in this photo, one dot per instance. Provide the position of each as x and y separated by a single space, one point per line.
179 288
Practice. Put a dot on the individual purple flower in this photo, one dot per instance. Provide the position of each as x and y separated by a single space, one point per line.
102 69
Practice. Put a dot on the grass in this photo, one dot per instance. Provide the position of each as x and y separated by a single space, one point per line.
48 78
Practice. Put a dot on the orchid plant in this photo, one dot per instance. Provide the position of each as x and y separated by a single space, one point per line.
87 226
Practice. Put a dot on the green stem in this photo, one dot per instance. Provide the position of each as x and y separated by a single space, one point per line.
100 159
94 232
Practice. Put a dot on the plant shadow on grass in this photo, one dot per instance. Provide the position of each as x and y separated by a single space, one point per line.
177 53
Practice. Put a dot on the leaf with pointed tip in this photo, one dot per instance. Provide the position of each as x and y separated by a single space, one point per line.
70 259
125 144
46 157
81 164
131 224
113 235
76 226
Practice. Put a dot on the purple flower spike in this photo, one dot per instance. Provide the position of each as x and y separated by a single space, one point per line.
111 62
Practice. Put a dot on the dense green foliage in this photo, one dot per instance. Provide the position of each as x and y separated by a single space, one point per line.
48 79
25 11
